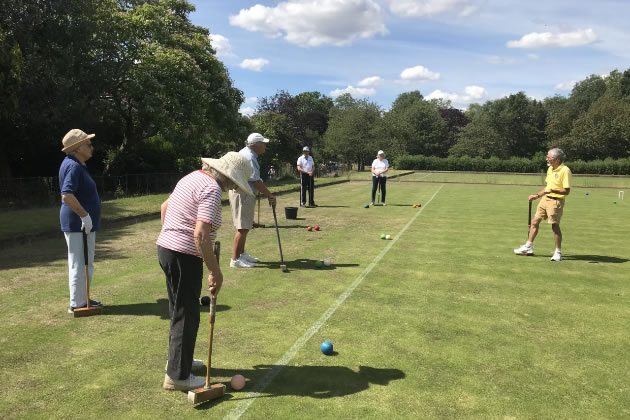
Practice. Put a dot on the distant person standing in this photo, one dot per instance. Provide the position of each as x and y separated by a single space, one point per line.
190 217
380 166
80 211
243 203
551 206
305 166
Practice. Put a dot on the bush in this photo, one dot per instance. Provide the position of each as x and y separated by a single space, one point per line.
514 165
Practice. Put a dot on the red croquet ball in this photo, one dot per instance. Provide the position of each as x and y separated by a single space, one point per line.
316 227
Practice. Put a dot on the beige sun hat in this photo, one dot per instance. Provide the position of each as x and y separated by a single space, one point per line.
74 139
234 166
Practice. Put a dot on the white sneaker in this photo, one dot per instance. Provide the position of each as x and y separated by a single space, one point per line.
557 256
525 250
249 258
192 382
240 263
384 203
372 203
196 364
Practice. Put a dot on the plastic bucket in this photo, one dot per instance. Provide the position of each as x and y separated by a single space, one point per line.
290 212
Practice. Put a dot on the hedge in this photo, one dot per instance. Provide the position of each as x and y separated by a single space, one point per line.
516 165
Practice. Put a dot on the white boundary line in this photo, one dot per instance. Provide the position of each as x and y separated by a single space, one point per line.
242 407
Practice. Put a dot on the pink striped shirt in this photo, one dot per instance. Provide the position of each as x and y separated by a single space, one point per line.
197 196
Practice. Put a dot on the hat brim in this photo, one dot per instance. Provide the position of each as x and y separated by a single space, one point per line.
242 184
78 144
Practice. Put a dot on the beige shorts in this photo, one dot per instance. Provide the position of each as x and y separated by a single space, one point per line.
242 209
550 209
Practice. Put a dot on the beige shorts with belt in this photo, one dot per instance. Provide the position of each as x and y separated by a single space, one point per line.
242 209
550 209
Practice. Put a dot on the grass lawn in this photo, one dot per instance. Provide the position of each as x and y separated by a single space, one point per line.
442 321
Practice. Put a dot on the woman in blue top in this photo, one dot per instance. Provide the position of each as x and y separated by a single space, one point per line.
80 210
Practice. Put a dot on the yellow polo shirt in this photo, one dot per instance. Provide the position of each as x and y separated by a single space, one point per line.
558 179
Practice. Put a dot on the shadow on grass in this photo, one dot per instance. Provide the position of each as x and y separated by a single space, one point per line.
595 259
302 264
329 207
305 381
158 308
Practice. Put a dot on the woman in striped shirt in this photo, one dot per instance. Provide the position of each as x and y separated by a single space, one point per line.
190 218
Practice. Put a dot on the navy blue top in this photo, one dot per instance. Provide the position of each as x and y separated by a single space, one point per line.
74 178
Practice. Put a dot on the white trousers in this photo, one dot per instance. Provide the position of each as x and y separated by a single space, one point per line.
76 266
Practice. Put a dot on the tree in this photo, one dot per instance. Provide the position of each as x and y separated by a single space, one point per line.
480 138
353 131
601 132
417 125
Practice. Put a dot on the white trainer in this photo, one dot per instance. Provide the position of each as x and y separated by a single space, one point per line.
249 258
192 382
525 250
240 263
384 203
557 256
196 364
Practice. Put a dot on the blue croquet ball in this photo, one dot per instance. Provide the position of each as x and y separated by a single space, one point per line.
586 194
367 206
326 347
205 301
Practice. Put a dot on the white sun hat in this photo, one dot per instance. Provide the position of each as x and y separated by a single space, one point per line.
380 152
256 138
234 166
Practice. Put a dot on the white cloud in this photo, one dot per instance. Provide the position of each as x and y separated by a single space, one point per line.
355 92
558 40
311 23
371 81
471 94
565 85
221 44
251 100
254 64
495 59
418 74
533 56
418 8
248 110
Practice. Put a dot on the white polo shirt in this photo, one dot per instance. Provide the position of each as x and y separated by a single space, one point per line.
379 165
307 164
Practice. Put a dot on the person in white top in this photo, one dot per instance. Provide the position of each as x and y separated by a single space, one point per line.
380 166
305 166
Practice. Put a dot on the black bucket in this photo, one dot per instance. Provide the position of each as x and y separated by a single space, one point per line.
290 212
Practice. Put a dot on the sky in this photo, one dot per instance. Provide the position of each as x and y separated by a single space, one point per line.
466 51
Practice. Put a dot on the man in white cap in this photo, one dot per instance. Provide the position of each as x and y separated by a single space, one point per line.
191 217
80 212
243 204
305 167
380 166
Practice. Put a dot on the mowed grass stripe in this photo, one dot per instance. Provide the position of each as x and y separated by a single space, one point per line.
297 346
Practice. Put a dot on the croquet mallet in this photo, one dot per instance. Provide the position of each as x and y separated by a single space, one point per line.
257 224
209 391
529 219
283 266
87 310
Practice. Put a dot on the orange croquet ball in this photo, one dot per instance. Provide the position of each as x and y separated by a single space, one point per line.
309 228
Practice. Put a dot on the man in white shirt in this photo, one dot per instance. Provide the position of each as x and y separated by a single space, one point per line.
243 204
305 166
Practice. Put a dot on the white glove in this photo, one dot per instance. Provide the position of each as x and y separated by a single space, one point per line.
86 223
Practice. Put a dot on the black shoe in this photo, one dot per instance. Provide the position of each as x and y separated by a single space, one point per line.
312 205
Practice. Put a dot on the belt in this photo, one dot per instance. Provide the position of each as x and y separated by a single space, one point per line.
554 198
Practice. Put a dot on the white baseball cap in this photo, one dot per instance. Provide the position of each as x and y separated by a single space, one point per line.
256 138
306 149
380 152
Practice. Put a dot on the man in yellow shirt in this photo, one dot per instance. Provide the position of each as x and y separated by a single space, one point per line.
551 206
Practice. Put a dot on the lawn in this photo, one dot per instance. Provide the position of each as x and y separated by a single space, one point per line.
442 321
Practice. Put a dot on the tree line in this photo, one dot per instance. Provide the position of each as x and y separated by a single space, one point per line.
148 82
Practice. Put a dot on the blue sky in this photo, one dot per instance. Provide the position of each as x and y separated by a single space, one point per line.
467 51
